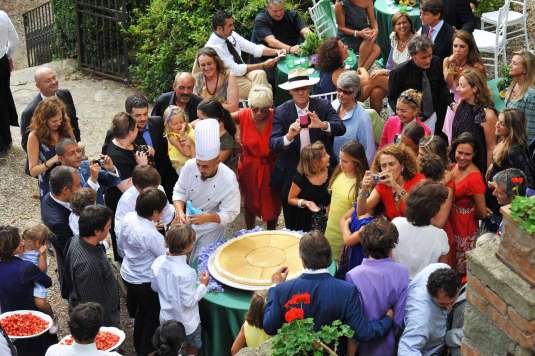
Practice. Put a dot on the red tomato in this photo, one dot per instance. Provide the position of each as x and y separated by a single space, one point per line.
23 324
106 340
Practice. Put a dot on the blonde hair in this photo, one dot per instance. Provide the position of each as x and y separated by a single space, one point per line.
170 113
35 233
260 97
411 97
528 61
310 155
515 123
356 154
483 95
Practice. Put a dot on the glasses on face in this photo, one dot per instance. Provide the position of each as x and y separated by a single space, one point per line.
181 87
345 92
261 110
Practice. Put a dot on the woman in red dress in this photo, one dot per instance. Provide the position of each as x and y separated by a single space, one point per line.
469 200
257 161
394 173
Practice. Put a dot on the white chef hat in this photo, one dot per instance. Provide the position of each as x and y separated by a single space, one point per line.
207 142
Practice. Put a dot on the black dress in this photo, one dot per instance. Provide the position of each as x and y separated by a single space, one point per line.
468 118
306 220
8 112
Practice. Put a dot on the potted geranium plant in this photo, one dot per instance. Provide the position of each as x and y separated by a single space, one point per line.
297 336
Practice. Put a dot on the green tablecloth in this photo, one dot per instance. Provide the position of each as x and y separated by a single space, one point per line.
222 315
499 102
290 62
383 13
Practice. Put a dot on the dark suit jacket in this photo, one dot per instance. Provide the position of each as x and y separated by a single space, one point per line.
26 117
285 115
161 157
408 76
169 98
443 44
330 299
459 15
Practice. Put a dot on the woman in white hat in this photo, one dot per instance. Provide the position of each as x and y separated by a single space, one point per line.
298 123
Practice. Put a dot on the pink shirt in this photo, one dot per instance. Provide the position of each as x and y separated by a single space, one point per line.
393 127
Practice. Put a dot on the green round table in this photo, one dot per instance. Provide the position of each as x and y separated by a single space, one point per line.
289 62
222 315
383 14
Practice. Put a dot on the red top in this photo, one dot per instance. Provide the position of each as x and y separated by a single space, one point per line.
394 126
387 196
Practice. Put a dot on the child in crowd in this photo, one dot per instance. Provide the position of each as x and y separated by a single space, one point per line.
176 284
79 200
407 111
308 191
168 339
180 136
252 333
344 187
35 241
411 136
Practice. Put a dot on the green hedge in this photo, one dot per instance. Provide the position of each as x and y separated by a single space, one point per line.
166 36
65 26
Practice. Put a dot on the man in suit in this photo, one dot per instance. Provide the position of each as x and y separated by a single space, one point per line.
181 96
150 133
424 73
435 28
458 14
299 122
330 298
55 210
47 83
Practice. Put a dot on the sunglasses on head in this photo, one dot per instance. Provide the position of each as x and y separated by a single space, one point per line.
345 92
408 98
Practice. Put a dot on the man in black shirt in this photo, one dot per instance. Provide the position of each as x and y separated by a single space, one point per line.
181 96
279 28
422 72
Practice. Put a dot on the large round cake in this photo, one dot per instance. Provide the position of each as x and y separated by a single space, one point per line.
251 259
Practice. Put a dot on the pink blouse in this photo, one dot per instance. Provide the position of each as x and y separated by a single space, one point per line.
394 126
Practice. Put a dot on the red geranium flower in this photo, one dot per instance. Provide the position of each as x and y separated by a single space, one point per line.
293 314
298 298
518 180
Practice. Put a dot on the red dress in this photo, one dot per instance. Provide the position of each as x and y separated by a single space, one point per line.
255 167
387 197
463 218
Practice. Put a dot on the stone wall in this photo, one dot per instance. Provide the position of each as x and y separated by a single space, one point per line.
500 315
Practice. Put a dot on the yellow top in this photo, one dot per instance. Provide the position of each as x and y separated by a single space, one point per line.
254 336
341 201
177 158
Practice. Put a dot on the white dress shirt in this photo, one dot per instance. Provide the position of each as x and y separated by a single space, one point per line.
240 44
219 194
141 243
9 39
176 284
77 350
127 204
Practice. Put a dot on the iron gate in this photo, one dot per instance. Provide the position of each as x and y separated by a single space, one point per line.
40 35
101 44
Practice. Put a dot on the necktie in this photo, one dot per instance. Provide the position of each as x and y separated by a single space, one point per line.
427 99
235 54
430 33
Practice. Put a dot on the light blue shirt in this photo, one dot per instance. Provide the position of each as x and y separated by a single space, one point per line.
358 127
425 321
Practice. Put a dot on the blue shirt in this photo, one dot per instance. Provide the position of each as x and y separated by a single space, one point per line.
105 179
425 321
358 127
146 135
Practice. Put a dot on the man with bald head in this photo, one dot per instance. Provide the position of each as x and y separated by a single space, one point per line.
47 82
181 96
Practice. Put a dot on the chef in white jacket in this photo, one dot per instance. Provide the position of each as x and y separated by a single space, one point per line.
211 186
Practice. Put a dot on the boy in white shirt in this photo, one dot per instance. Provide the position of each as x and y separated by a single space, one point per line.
176 284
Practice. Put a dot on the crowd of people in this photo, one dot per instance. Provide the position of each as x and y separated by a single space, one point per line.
397 211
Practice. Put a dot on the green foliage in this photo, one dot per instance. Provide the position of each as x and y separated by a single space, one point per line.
310 45
488 5
299 338
504 83
523 212
65 27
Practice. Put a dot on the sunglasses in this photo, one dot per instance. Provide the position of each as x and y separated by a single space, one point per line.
408 98
262 110
345 92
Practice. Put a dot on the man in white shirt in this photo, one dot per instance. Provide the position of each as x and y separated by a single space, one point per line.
229 46
9 41
84 324
420 243
211 187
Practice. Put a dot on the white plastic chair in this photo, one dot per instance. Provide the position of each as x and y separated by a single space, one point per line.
515 19
330 97
321 15
492 45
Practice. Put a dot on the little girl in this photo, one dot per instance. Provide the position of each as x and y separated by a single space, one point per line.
407 110
411 136
343 186
308 191
180 136
35 241
252 333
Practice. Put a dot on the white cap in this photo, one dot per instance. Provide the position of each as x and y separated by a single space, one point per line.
207 141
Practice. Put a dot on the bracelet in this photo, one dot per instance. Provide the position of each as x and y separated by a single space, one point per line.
289 49
44 164
300 203
363 194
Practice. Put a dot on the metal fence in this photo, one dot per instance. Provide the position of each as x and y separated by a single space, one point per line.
102 46
40 36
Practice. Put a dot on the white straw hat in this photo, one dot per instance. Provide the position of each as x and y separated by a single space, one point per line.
298 78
